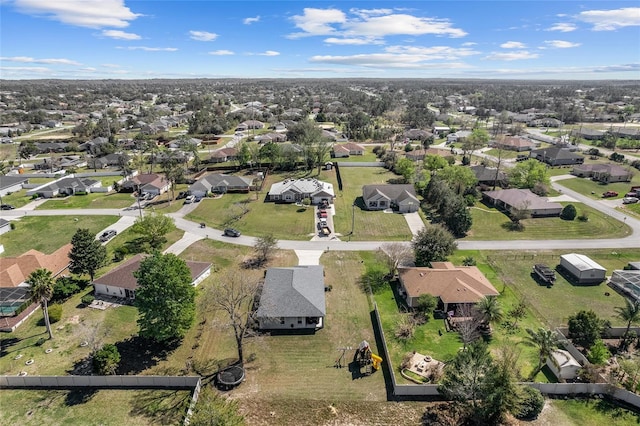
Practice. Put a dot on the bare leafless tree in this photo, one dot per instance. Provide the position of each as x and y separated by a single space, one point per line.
235 294
468 326
396 254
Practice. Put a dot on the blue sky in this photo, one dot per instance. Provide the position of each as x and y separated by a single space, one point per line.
120 39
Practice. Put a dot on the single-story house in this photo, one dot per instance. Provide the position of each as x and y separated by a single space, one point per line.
219 184
605 173
509 199
250 125
458 136
627 132
420 154
514 143
151 183
109 160
223 154
453 285
385 196
10 184
563 365
182 143
292 298
439 130
583 269
347 149
416 135
120 282
333 135
5 226
590 134
489 175
293 190
65 186
556 156
14 271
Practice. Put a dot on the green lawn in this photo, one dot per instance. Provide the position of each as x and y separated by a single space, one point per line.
506 154
49 233
491 224
111 200
632 209
594 190
17 199
555 304
590 412
104 407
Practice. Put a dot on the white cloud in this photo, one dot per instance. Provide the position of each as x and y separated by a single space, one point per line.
269 53
88 69
513 45
561 44
401 24
149 49
221 53
356 41
27 69
203 35
121 35
512 56
27 59
110 65
563 27
249 21
609 20
432 53
469 43
386 61
82 13
317 22
366 13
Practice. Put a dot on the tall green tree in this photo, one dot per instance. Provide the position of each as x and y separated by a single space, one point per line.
213 409
433 243
528 174
546 341
585 327
165 297
87 254
459 178
173 170
490 310
41 290
406 168
153 227
501 391
629 313
456 215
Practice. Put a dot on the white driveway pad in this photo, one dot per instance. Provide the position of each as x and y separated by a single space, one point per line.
414 221
309 257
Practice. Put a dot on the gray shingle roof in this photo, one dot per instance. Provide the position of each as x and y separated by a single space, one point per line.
297 291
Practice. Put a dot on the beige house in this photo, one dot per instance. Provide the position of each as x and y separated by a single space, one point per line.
398 197
605 173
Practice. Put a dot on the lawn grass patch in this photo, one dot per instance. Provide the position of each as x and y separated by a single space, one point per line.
595 412
49 233
112 200
104 407
490 223
590 188
17 199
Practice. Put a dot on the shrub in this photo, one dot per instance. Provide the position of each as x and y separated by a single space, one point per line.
87 299
598 353
55 313
569 212
375 278
64 288
41 341
531 404
469 261
120 253
106 360
584 217
12 226
466 160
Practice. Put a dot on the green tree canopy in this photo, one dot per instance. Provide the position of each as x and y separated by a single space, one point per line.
153 228
165 297
585 327
545 341
630 314
106 359
458 178
41 290
87 254
406 168
433 243
528 174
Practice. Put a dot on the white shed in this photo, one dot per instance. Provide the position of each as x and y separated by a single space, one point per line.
583 269
563 365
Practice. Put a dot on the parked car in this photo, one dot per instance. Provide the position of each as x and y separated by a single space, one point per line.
108 234
635 194
190 199
231 232
629 200
609 194
6 207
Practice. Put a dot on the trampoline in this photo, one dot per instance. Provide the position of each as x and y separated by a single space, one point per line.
231 377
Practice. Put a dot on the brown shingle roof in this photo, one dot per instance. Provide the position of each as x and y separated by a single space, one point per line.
15 270
452 284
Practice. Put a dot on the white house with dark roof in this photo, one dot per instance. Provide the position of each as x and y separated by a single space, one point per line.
292 298
120 282
294 190
10 184
219 184
65 186
381 197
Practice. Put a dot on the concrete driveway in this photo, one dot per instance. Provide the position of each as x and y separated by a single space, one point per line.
414 221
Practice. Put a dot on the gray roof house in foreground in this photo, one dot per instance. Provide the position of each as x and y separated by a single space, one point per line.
292 298
508 199
9 184
219 184
381 197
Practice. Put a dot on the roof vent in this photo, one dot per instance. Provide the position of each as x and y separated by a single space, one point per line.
422 274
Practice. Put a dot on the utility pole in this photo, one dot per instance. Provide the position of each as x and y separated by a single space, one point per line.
353 218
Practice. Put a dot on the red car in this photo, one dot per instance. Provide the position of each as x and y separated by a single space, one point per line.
609 194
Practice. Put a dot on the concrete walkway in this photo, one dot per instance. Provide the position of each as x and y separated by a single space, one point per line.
183 243
309 257
414 221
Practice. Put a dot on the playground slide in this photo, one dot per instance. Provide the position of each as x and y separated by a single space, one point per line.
376 360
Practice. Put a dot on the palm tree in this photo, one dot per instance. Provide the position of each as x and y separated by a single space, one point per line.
547 341
630 313
41 282
490 310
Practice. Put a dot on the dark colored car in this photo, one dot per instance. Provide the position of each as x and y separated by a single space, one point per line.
6 207
107 235
231 232
609 194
